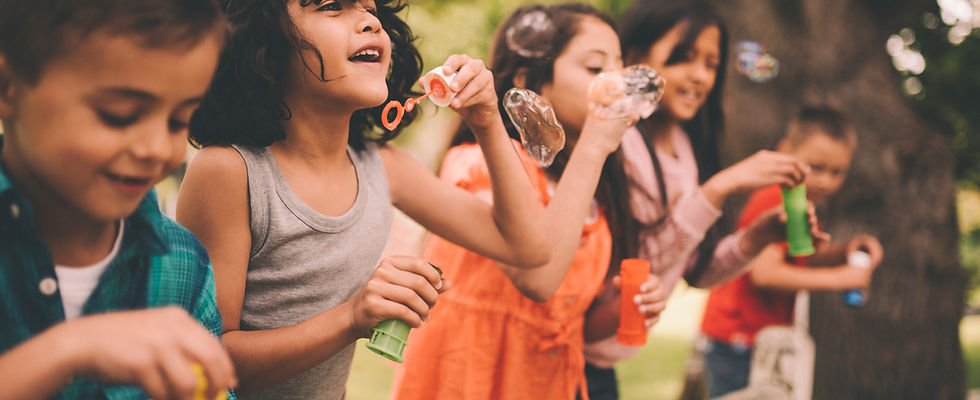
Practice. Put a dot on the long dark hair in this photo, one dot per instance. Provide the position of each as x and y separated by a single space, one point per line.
643 24
612 192
245 104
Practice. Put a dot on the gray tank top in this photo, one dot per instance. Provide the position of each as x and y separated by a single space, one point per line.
303 262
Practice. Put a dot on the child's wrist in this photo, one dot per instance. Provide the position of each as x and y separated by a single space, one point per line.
69 352
716 190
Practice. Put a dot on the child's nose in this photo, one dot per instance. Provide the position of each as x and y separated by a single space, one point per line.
153 145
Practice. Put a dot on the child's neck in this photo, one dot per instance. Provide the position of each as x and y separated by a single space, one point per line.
314 133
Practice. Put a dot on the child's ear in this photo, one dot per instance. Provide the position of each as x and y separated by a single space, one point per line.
7 86
520 78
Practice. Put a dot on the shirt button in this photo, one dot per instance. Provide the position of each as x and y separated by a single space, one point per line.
48 286
570 300
14 211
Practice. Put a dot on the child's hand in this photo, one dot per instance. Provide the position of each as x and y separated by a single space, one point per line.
855 277
475 99
401 287
651 301
868 244
762 169
604 135
770 227
151 348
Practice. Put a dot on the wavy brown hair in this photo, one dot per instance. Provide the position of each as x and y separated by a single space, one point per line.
245 104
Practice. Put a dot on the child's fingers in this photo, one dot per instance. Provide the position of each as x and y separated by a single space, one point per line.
154 383
180 377
409 298
397 310
650 308
650 322
446 284
617 282
466 73
208 352
417 266
412 282
454 63
475 92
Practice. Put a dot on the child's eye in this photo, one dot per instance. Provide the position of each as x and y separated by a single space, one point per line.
594 70
330 6
117 121
176 125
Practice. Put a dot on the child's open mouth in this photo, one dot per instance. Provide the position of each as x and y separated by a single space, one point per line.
366 55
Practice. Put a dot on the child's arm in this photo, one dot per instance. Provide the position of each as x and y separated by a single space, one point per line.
736 251
508 229
214 205
570 206
770 270
150 348
836 253
602 320
762 169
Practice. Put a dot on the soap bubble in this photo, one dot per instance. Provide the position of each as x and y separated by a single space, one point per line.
629 92
753 62
531 35
541 133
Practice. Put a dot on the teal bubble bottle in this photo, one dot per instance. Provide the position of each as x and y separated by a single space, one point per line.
390 336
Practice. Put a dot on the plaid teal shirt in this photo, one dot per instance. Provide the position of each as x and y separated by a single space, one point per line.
159 263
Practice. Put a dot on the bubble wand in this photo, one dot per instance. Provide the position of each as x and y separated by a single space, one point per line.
435 84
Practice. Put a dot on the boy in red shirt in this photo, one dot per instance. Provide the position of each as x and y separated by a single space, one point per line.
764 295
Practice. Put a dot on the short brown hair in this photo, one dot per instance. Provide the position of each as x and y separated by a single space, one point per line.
35 32
824 120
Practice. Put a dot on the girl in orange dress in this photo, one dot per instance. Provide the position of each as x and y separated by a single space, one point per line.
506 333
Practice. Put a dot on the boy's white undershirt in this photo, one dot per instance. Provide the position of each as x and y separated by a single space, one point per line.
77 283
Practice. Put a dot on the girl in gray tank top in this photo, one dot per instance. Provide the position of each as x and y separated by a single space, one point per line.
293 200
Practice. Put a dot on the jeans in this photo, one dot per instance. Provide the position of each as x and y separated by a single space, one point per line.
727 367
601 382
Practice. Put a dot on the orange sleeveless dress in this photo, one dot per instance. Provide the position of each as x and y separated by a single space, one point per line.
484 339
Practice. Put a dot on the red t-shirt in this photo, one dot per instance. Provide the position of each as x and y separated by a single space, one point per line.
737 309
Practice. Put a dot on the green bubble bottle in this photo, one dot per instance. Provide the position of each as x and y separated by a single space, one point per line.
390 336
797 227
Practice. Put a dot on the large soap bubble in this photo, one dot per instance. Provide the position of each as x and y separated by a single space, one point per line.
632 91
753 62
531 34
541 133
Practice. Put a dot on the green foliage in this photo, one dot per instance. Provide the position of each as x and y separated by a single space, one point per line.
950 84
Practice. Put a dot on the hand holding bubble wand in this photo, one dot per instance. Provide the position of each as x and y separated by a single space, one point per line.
390 337
436 86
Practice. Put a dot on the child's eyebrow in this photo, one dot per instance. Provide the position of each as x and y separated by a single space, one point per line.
131 93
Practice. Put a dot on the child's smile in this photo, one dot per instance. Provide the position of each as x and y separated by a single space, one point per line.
94 134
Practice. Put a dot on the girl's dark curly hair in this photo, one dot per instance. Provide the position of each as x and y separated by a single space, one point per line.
245 104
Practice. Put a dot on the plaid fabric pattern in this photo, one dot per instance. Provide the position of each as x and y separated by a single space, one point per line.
159 263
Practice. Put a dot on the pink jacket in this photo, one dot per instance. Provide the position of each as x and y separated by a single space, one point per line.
671 246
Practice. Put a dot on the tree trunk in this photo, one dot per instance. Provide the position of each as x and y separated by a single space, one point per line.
904 343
